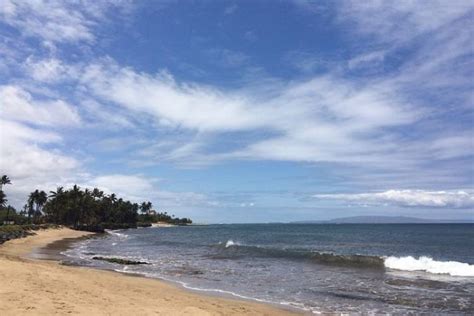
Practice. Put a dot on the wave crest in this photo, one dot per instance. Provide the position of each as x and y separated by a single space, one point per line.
234 250
348 260
116 233
427 264
231 243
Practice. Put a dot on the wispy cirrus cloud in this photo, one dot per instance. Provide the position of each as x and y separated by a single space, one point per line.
57 21
52 21
415 17
49 70
322 119
371 59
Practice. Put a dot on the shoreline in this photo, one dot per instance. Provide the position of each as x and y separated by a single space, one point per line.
53 250
33 285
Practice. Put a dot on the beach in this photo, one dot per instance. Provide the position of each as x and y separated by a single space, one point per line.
38 287
316 268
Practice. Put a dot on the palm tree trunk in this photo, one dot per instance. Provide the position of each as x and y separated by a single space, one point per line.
8 213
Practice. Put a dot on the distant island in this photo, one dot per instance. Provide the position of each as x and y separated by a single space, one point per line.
382 220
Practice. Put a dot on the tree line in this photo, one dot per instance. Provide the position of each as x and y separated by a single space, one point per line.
82 209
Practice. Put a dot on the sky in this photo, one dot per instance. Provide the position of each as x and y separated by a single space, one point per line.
243 111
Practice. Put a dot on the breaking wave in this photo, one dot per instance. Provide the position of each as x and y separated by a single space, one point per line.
427 264
116 233
234 250
231 243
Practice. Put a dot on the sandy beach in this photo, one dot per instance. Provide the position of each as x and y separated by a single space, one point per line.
37 287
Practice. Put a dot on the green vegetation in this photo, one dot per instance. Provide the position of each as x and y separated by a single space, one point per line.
119 261
8 232
152 217
82 209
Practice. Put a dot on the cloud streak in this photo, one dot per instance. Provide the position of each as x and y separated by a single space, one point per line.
408 198
322 119
55 21
18 105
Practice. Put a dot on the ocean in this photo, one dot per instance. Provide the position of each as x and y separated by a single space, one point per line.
346 268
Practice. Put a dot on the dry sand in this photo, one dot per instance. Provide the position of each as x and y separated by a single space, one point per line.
36 287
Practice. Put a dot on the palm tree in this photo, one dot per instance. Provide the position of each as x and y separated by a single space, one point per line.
24 210
56 202
59 191
145 207
3 199
84 208
76 200
113 198
4 180
31 203
37 199
84 201
41 201
149 206
9 208
96 193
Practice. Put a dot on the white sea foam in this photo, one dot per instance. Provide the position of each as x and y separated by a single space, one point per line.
427 264
115 233
77 251
231 243
225 292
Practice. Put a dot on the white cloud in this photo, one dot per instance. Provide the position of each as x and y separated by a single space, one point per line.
250 204
230 9
402 20
436 34
49 70
29 142
324 118
453 146
28 164
409 198
56 21
53 21
132 186
17 104
100 116
321 119
182 105
140 188
186 199
307 62
367 60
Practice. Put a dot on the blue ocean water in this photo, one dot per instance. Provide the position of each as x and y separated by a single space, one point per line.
347 268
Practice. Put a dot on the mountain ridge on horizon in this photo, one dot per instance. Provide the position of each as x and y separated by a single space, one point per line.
369 219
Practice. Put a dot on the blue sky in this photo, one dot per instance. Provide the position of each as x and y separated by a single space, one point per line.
243 111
